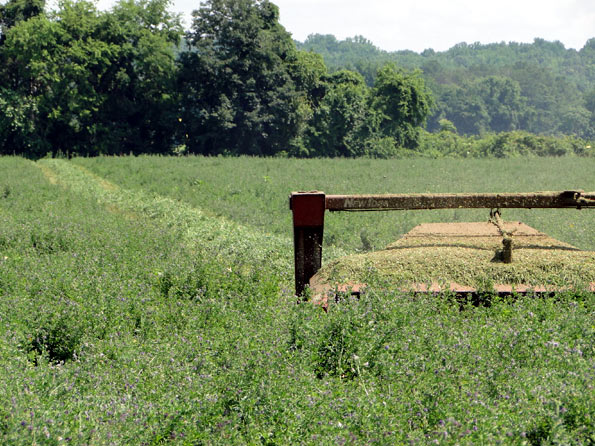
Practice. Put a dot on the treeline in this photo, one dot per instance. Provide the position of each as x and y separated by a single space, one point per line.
80 81
540 87
88 82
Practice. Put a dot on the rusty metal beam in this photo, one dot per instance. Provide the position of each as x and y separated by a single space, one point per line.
566 199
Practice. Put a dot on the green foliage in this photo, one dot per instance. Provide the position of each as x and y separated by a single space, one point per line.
502 145
308 72
467 112
14 11
140 108
447 143
577 120
16 128
83 81
355 54
247 90
502 99
401 103
338 123
379 146
238 95
590 101
515 144
490 103
447 126
485 88
79 81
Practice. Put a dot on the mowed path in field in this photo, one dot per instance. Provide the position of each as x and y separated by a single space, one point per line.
227 241
253 191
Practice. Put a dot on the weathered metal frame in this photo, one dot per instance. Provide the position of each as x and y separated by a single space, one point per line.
309 207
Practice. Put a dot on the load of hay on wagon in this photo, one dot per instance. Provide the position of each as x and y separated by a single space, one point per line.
463 257
492 256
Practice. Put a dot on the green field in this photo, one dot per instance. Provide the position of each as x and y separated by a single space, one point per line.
254 192
149 301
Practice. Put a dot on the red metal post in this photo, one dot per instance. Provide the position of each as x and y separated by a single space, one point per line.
308 228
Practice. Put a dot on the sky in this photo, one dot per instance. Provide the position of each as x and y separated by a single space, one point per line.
438 24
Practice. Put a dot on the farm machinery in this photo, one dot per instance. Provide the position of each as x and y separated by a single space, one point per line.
510 257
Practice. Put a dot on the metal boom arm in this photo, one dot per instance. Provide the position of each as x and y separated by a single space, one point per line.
567 199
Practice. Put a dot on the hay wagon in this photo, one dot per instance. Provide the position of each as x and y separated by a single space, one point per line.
504 252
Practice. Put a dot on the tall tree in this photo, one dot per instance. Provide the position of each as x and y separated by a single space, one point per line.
141 101
308 72
503 103
15 110
402 104
238 94
83 81
552 79
465 110
338 126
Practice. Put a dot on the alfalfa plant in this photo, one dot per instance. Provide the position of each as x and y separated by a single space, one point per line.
56 337
352 338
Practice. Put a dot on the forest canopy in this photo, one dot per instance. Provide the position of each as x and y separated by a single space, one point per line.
538 87
83 81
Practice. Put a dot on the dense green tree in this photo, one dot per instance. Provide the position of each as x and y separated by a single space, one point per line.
577 120
589 100
545 95
17 123
493 103
401 103
83 81
466 111
16 110
308 72
238 93
587 59
140 111
338 124
36 52
15 11
447 126
551 78
502 100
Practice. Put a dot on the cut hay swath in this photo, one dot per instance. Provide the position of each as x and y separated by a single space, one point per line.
463 258
204 234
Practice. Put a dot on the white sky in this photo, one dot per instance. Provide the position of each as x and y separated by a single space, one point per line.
438 24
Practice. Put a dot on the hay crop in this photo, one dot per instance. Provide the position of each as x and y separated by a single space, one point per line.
467 254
